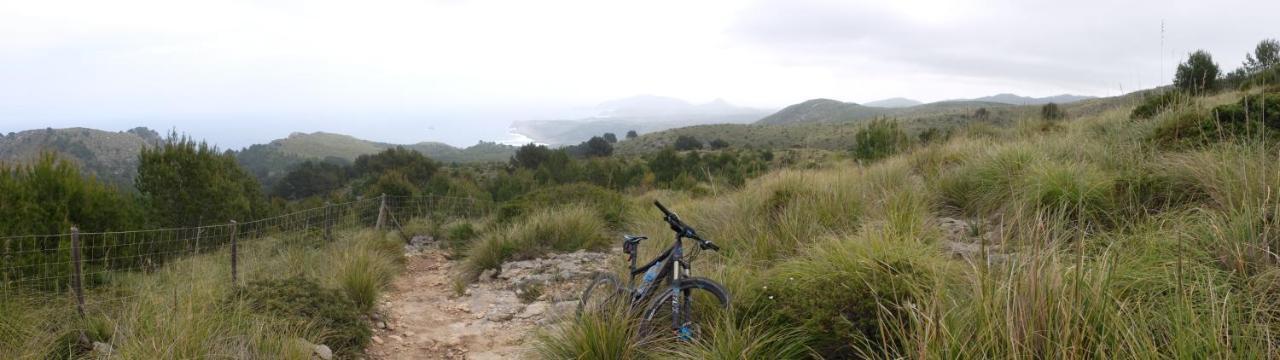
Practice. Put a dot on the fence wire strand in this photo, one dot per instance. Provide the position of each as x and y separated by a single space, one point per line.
42 265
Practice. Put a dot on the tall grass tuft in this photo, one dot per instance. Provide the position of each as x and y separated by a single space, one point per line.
561 229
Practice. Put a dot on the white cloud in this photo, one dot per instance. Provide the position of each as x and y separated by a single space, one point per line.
281 66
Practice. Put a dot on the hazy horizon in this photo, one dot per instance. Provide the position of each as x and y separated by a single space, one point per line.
244 72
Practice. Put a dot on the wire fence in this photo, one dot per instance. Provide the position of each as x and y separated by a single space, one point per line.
74 262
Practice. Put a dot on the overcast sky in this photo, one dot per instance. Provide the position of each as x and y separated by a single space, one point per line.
240 72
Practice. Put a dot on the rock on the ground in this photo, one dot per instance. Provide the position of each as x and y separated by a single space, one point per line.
102 350
376 339
502 313
954 229
323 352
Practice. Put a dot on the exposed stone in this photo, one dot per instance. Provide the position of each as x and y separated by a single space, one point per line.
376 339
323 352
102 350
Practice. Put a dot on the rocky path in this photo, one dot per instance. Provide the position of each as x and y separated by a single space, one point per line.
422 317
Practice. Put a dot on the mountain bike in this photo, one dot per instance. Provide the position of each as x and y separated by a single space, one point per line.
655 302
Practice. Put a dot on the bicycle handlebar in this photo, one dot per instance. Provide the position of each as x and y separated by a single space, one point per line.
683 230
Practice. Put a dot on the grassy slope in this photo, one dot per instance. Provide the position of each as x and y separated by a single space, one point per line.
179 311
833 127
320 145
1123 249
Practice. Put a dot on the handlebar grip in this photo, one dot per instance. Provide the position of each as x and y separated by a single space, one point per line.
710 245
663 208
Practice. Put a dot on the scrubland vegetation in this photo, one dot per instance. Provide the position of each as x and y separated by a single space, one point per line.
1104 230
291 287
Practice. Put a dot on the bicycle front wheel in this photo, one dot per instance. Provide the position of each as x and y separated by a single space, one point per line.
678 312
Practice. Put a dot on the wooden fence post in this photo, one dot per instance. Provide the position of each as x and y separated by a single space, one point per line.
76 271
382 213
76 283
234 250
328 221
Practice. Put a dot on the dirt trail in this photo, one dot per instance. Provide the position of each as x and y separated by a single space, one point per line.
422 318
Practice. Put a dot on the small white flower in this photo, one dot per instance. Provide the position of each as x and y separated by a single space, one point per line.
766 288
770 297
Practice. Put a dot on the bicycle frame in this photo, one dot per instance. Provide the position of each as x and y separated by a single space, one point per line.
673 256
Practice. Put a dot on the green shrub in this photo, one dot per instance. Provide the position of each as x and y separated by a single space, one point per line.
879 139
608 205
559 229
1052 111
303 301
844 293
602 335
362 274
1198 75
1263 108
1155 104
730 339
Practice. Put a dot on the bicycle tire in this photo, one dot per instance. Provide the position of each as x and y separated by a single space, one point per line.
601 281
686 288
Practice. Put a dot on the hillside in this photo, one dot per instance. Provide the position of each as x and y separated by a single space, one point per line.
1014 99
820 110
110 156
268 162
897 102
643 114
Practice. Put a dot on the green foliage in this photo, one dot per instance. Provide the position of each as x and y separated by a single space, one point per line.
1265 55
730 339
608 205
879 139
1052 111
686 142
602 335
185 183
718 144
1198 75
1156 104
557 229
671 169
1253 117
415 167
844 293
392 183
49 196
309 179
531 156
631 134
361 273
303 301
610 137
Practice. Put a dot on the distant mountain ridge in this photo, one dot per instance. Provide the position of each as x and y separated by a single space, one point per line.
113 156
821 110
1014 99
897 102
642 113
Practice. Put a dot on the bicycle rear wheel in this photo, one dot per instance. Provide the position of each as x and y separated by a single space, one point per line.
604 292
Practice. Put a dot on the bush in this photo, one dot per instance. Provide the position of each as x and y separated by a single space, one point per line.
361 274
557 229
844 293
1253 117
303 301
718 144
879 139
686 142
1198 75
1052 111
1155 104
609 205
